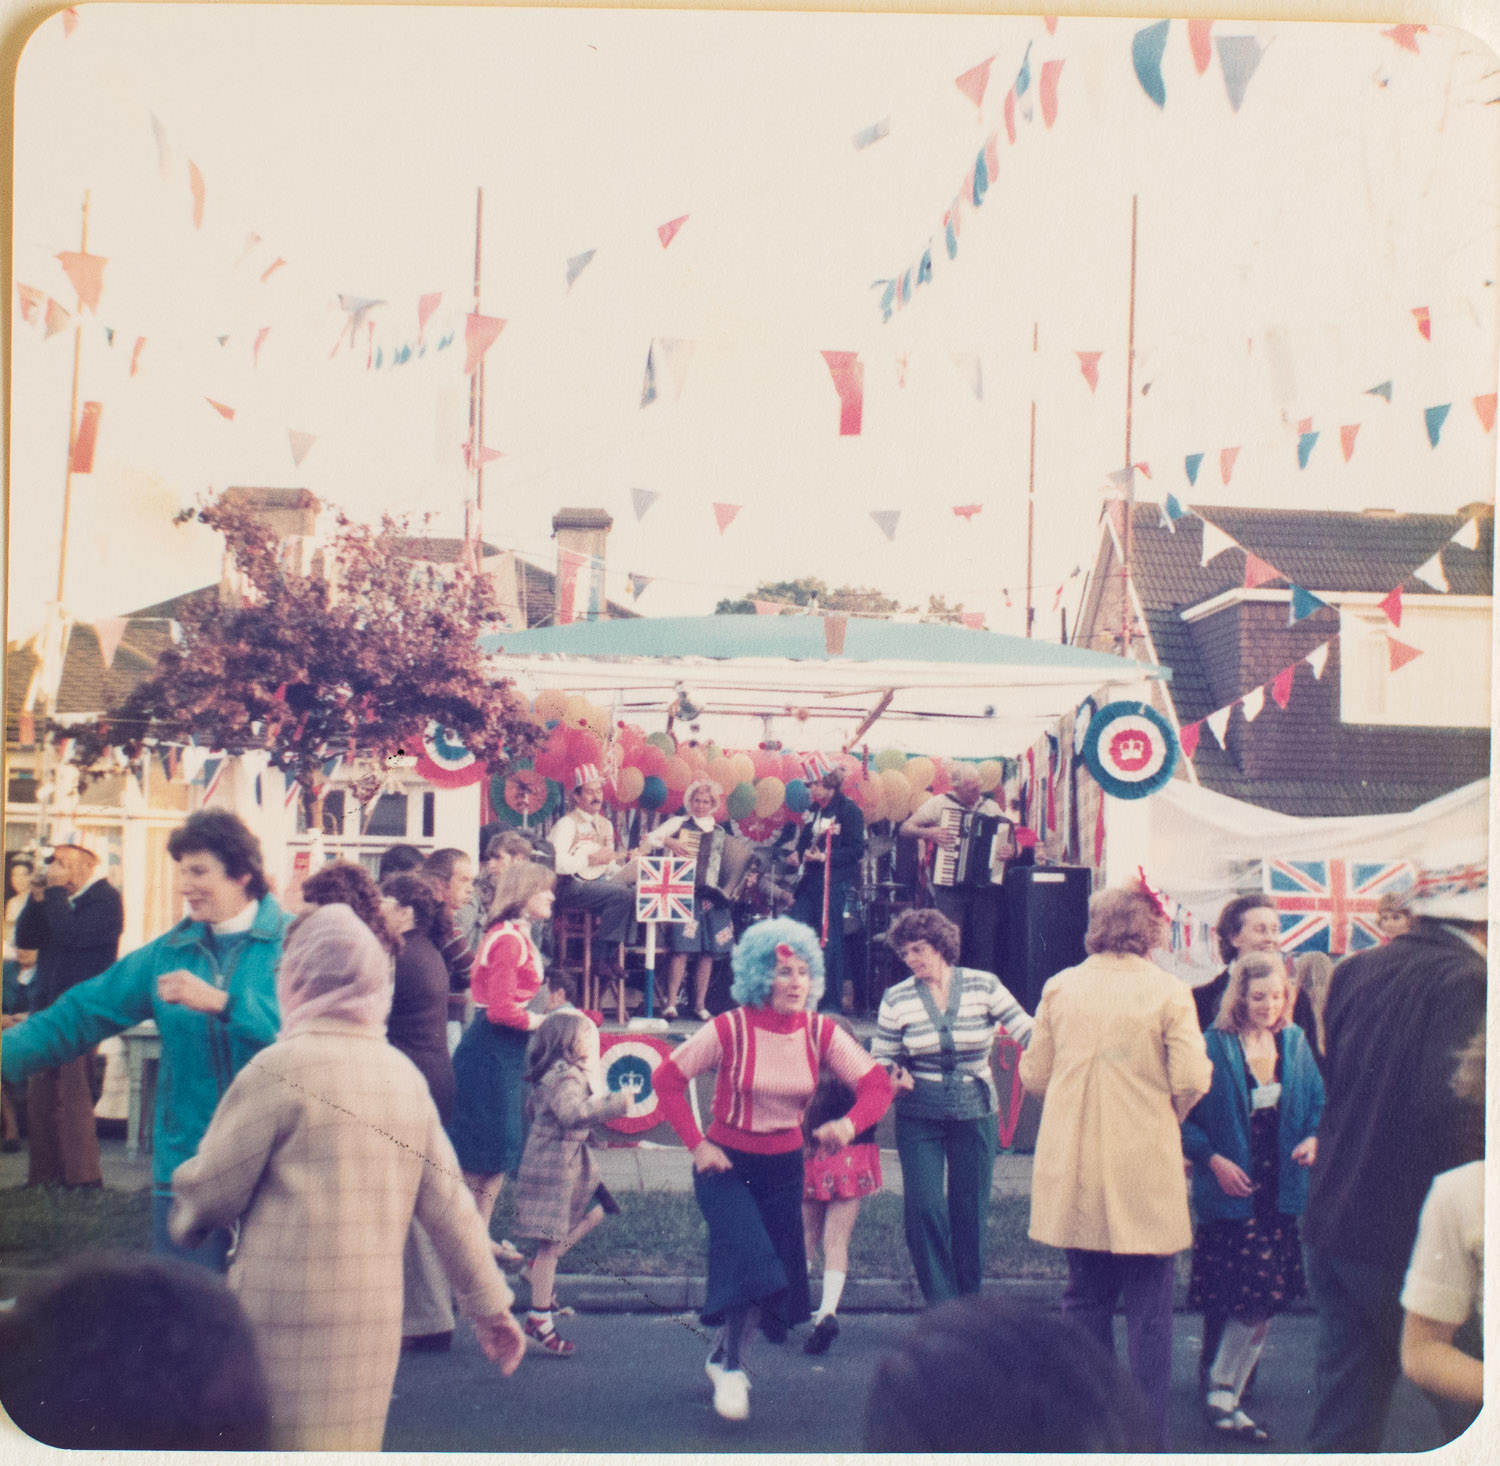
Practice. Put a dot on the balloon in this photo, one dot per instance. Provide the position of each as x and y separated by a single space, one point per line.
678 774
991 771
890 758
711 751
919 772
692 755
629 785
653 793
796 796
767 763
744 768
597 719
723 772
741 801
791 767
663 741
770 795
652 762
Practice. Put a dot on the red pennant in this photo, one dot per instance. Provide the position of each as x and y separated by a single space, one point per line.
1050 21
31 301
835 624
1305 426
974 81
135 355
1051 71
1258 571
1088 362
260 337
1391 605
1401 653
86 274
724 514
848 374
1010 126
1226 462
227 413
425 307
1199 44
195 182
967 511
1144 469
668 232
88 434
70 20
58 317
1405 36
271 269
1281 685
1424 321
1347 435
1485 407
479 335
1188 737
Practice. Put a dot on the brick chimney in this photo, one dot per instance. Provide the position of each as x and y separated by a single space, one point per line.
585 532
291 515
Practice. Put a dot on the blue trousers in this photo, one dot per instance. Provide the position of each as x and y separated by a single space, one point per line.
212 1252
945 1235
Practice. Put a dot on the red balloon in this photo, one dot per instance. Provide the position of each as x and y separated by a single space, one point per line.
651 761
791 768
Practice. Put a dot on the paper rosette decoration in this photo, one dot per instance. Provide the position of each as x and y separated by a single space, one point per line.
629 1061
445 761
1130 750
526 791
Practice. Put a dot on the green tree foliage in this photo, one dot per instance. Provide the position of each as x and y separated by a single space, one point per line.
809 591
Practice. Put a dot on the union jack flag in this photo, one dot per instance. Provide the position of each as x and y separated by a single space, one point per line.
1330 905
664 888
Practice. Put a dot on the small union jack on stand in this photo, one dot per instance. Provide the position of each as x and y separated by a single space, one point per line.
663 892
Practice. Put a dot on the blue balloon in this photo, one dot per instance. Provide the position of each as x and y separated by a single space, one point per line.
653 793
797 799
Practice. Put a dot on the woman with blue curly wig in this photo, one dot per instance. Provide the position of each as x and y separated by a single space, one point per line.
747 1171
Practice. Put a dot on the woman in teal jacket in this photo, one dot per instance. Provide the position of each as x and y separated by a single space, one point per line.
1252 1140
210 984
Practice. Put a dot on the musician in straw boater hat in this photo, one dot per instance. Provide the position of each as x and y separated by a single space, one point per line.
1397 1017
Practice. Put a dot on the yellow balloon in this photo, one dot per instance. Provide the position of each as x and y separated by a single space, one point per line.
770 795
744 768
598 720
692 755
991 771
920 773
576 710
722 771
551 704
629 785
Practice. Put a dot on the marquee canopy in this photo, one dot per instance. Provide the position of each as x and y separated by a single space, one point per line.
924 687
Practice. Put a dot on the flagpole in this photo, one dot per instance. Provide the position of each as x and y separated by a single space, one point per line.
67 504
1031 486
1125 619
476 382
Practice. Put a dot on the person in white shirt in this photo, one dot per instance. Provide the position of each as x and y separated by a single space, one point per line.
593 875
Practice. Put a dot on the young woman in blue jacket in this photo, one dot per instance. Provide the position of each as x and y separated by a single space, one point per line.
1252 1140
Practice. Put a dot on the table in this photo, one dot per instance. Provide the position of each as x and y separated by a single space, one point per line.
142 1060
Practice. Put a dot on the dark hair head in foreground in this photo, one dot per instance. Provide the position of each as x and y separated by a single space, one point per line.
124 1351
979 1374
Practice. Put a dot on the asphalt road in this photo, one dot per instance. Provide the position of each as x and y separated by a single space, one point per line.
636 1384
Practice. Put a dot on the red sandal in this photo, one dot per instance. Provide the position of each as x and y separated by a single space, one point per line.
541 1331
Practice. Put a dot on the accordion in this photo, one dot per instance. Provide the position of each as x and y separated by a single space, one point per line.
977 856
724 860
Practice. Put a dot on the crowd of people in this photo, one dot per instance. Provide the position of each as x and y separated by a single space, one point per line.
320 1140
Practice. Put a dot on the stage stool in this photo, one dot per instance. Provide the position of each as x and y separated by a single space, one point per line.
574 931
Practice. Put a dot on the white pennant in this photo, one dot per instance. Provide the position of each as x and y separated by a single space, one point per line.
1219 723
1431 571
1215 542
1253 702
194 756
1468 536
109 630
1317 659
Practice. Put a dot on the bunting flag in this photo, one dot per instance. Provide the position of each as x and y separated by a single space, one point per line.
724 514
676 354
1051 72
835 624
641 500
227 413
1199 44
1238 58
1088 364
1218 723
974 81
195 183
1057 595
1146 51
767 608
1215 542
1317 659
1258 571
1435 418
1430 571
1226 462
1468 536
1347 435
1423 318
1401 653
260 337
1304 604
887 519
109 630
668 232
82 460
848 374
577 264
1405 36
1391 605
1281 685
300 443
867 136
135 355
1188 736
969 364
1484 407
271 269
967 512
1191 465
1143 468
974 620
648 385
1174 510
1023 76
479 335
163 147
31 301
426 307
981 177
1252 703
70 21
1009 112
57 318
86 275
1381 389
357 307
1305 444
1121 483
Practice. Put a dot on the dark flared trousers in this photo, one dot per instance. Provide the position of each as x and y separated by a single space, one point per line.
60 1126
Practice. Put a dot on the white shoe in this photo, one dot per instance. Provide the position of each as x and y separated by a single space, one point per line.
714 1370
732 1394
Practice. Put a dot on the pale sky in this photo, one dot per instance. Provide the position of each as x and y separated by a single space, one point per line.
1282 249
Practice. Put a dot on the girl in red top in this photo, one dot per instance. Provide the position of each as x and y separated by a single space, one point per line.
747 1171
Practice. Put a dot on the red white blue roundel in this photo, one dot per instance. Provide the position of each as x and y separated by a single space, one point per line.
444 760
1130 749
629 1061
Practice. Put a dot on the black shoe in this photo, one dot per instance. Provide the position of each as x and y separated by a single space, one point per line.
427 1343
825 1331
606 1201
774 1330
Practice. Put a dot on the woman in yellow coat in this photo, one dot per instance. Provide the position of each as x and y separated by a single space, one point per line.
1119 1056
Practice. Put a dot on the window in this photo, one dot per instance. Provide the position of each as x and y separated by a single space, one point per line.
1446 686
388 816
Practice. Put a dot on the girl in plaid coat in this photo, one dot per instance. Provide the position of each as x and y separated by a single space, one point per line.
559 1199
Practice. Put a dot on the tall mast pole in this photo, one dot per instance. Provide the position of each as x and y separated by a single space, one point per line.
1125 617
1031 487
67 504
476 382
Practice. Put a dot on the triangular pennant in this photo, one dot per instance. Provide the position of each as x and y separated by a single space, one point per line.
1401 653
1281 685
887 519
1226 462
1088 364
271 269
1304 604
357 307
109 630
1305 444
1305 426
1199 44
57 318
1023 76
1051 72
479 335
676 354
981 176
86 275
1430 571
641 500
724 514
848 374
969 364
1317 658
1050 21
260 337
648 384
135 354
227 413
1146 52
1435 417
1423 317
1405 36
577 264
426 306
1218 723
1215 542
1380 389
82 460
31 302
1190 465
668 232
163 148
1468 536
638 583
867 136
1188 736
1347 435
1484 407
1008 111
1238 58
1258 571
974 81
300 443
1391 605
196 185
1173 508
967 511
1252 703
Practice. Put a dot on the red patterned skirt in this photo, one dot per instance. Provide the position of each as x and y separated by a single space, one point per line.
847 1174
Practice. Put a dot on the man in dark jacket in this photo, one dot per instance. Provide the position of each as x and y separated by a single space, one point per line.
1396 1018
832 811
73 919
